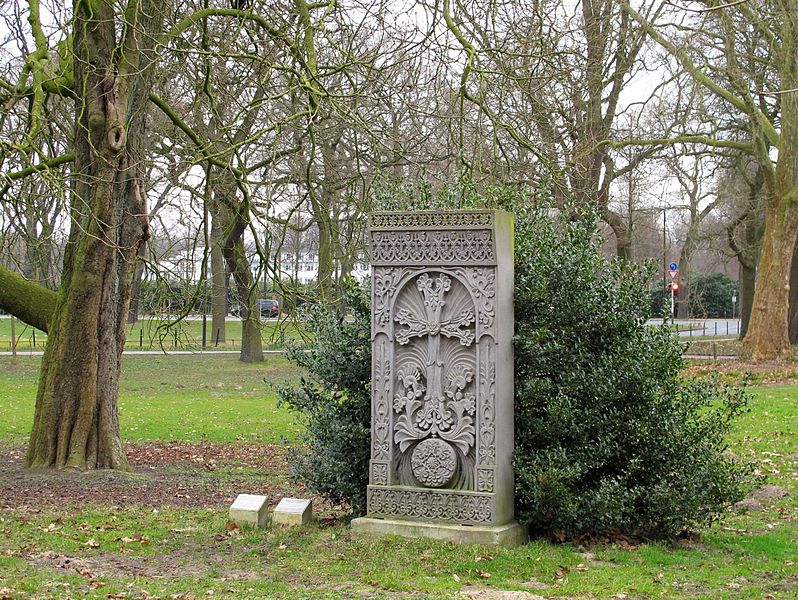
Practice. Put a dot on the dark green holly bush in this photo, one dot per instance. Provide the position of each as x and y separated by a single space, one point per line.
608 436
333 400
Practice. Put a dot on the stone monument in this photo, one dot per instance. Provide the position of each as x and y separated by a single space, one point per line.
442 377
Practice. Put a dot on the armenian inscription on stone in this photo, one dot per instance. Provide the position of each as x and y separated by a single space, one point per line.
442 383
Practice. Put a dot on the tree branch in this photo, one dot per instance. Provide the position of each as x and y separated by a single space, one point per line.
30 302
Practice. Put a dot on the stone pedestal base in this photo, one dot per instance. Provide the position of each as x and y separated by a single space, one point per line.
510 534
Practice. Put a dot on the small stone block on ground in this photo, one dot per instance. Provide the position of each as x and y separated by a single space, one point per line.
292 512
250 509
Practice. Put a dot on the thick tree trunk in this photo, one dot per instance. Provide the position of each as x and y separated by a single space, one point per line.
75 422
767 337
135 294
685 258
251 342
218 278
234 225
747 286
792 315
623 234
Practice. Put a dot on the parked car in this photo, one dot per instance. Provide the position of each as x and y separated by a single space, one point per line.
268 308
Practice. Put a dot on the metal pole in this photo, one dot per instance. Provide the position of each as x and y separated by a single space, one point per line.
13 336
204 329
664 257
673 305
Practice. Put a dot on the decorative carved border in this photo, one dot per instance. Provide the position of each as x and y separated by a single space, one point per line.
432 220
431 505
487 405
381 405
432 248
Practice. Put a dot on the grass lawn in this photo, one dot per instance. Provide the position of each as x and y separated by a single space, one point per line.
191 398
122 549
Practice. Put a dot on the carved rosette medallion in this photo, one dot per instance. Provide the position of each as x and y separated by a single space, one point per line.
435 334
434 462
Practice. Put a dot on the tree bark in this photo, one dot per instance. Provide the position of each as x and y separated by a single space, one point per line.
747 287
75 421
792 315
135 294
251 342
234 225
218 277
767 338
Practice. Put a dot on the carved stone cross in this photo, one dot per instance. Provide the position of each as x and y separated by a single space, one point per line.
433 290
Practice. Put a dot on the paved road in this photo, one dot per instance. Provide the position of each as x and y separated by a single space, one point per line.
702 327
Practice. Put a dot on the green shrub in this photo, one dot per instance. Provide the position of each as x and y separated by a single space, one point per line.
334 399
608 437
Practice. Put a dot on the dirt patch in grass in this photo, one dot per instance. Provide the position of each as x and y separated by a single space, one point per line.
777 372
164 474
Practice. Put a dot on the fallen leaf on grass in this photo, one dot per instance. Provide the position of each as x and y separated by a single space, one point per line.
484 558
92 543
483 574
456 577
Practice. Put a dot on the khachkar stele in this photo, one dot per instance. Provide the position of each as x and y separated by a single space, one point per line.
442 376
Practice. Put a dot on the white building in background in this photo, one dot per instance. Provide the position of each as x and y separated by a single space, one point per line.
300 267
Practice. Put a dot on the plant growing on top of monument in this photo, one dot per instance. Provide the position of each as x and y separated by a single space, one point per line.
608 436
334 398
